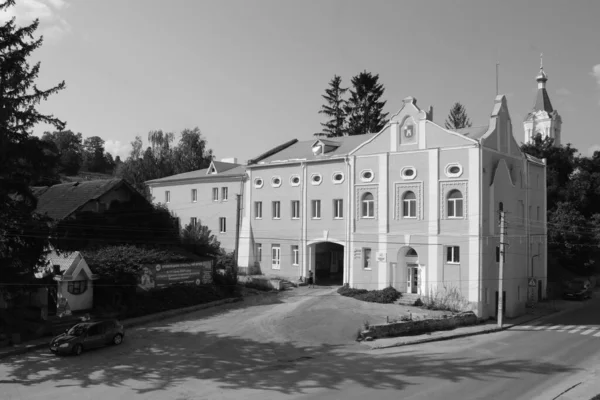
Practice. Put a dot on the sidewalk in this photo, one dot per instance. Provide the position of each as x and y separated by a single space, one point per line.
555 307
43 342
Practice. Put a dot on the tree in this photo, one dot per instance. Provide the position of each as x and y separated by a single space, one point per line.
23 235
70 146
94 155
569 236
191 153
334 109
364 108
198 239
457 119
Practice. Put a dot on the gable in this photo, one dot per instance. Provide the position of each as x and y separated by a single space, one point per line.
501 175
500 132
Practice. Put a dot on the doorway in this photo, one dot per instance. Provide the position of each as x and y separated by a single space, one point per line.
328 263
412 283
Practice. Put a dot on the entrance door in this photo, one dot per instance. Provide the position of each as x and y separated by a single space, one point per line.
412 278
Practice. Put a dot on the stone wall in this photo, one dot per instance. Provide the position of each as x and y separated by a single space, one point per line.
408 328
261 281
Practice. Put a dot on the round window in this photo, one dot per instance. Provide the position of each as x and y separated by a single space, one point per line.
258 182
338 177
409 172
316 178
295 180
367 175
455 169
276 181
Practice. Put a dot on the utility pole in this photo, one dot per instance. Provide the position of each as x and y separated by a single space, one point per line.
237 227
501 272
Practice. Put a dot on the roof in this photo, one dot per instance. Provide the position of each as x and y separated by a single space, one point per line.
473 132
302 150
223 170
542 101
64 261
60 201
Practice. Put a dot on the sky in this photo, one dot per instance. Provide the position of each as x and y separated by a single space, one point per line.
250 73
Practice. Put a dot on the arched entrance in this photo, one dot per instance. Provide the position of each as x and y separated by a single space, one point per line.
327 263
407 274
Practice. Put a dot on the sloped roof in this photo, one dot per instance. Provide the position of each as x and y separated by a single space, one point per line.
473 132
60 201
302 150
64 261
235 170
542 101
221 166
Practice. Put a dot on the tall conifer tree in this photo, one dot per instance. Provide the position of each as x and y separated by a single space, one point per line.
334 109
457 119
365 107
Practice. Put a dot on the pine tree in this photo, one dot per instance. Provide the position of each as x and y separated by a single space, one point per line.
334 109
457 119
364 108
23 235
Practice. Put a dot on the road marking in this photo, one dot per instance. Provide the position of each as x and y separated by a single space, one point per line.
539 328
566 328
554 327
588 331
597 334
577 329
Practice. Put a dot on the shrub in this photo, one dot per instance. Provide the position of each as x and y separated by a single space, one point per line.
418 303
446 300
385 296
225 274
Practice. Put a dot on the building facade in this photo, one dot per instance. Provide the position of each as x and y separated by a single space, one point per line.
207 196
415 206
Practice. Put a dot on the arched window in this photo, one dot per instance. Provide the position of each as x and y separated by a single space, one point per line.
368 206
455 204
409 205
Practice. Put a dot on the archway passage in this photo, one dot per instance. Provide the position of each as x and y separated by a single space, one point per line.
406 276
329 264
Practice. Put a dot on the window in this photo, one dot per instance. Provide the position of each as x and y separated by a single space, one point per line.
367 258
167 196
368 206
215 193
276 257
521 206
295 255
497 254
295 180
276 210
537 213
455 204
258 209
193 221
408 173
295 209
77 287
223 224
224 193
259 252
453 254
366 175
316 179
194 195
316 209
409 205
338 177
258 183
487 295
338 208
453 170
276 181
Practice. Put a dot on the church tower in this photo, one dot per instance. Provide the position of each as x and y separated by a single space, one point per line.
543 119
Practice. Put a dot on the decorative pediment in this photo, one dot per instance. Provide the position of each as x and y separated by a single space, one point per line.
212 169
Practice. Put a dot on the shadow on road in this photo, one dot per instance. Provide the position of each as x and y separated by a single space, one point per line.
162 357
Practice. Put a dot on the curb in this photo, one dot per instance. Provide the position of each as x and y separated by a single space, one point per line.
462 335
133 322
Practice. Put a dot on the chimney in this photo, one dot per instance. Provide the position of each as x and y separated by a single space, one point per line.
430 114
231 160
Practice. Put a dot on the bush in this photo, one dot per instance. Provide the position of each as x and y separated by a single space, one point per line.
173 297
385 296
418 303
446 300
225 275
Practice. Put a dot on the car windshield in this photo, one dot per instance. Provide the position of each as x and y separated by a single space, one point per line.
77 330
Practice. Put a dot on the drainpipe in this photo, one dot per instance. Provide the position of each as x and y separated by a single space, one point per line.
305 259
347 247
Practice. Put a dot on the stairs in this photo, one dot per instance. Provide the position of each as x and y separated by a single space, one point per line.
408 299
287 285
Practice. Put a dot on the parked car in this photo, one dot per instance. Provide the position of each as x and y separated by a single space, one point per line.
88 335
578 289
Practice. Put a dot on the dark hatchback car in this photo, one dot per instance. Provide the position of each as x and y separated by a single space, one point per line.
88 335
578 289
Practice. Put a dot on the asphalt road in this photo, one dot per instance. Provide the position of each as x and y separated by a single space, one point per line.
237 352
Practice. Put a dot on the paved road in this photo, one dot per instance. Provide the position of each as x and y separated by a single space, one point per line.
235 352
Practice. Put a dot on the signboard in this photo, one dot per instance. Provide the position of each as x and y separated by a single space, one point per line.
161 275
532 282
381 256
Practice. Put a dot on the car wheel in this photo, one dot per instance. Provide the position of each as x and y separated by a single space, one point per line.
118 339
78 349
